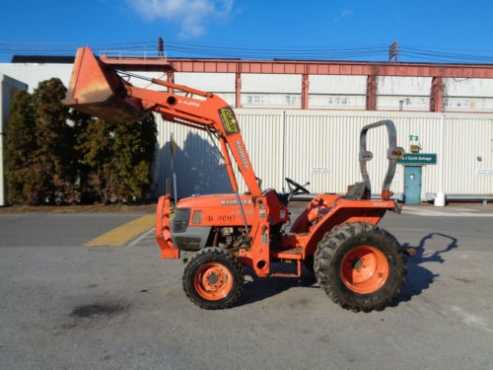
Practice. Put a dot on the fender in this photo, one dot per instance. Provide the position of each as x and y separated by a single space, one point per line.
344 211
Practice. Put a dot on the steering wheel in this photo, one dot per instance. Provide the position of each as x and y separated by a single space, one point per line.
295 188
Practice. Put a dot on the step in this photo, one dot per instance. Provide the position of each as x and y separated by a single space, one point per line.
288 254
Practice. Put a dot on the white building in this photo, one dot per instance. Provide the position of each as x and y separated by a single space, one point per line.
8 86
320 144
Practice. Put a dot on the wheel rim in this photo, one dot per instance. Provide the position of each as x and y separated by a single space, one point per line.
213 281
364 269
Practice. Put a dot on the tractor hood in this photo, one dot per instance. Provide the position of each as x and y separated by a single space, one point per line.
214 200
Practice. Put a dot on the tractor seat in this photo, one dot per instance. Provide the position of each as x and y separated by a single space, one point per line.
357 191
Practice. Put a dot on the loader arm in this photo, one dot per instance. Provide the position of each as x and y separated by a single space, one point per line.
98 88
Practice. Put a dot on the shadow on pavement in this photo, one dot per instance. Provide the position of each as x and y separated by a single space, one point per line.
260 289
419 278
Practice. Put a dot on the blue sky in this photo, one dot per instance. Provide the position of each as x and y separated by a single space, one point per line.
306 29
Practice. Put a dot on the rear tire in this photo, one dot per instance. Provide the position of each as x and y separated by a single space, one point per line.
360 266
213 279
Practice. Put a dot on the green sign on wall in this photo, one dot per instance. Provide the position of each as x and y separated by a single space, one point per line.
418 159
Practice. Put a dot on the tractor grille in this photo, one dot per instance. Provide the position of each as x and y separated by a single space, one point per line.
180 221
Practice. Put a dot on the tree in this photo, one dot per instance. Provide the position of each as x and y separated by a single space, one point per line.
94 148
54 155
120 157
81 123
20 137
134 148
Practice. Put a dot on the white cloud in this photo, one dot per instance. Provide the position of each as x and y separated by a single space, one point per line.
191 15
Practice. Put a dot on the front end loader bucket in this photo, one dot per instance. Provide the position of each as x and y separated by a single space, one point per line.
99 91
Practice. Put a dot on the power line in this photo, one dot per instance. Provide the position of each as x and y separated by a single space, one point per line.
188 49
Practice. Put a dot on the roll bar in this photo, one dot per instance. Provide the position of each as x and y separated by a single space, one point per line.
393 154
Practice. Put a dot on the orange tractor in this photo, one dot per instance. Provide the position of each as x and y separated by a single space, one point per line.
359 265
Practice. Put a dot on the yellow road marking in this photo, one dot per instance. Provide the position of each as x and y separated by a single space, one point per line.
122 234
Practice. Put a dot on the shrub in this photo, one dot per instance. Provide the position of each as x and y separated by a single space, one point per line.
20 142
57 155
119 157
54 155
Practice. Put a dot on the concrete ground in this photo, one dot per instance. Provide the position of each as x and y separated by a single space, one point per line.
67 306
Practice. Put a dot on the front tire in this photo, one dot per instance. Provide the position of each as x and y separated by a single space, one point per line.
360 267
213 279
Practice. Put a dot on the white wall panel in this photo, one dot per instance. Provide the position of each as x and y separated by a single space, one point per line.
340 85
392 85
467 104
468 95
32 73
327 146
8 87
215 82
403 103
270 83
263 134
468 154
471 87
335 101
403 93
322 147
337 92
260 100
198 167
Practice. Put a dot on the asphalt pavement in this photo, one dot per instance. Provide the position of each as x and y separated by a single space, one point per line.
64 305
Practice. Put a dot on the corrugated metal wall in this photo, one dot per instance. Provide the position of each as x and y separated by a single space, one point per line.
329 144
198 164
322 147
468 154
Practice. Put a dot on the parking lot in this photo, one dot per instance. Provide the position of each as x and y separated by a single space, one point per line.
65 305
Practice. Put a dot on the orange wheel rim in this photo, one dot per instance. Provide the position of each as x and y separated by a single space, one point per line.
364 269
213 281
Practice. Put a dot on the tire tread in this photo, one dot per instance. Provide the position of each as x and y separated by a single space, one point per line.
324 266
210 254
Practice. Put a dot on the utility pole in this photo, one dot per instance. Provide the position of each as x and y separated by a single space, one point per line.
394 52
160 47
